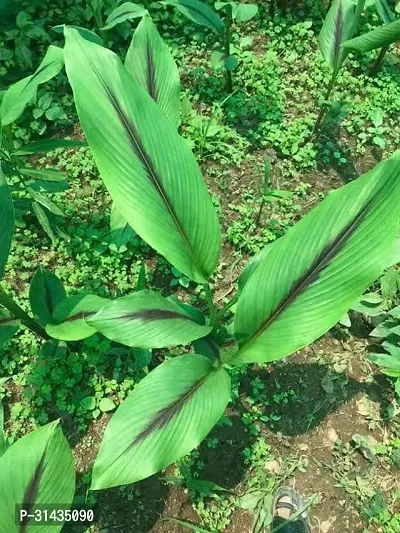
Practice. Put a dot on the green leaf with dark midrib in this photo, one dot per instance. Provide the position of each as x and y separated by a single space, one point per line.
37 469
45 292
164 416
151 85
145 319
151 64
31 494
339 25
69 317
9 325
299 288
175 216
146 315
148 164
339 32
188 396
316 268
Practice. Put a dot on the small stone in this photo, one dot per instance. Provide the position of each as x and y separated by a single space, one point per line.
273 466
325 526
332 435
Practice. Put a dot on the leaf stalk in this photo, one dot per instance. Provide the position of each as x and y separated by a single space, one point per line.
17 311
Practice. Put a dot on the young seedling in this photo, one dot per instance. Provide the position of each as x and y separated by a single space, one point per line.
340 24
268 192
203 15
382 37
387 17
234 12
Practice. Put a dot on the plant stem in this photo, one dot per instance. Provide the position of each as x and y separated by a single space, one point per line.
226 308
7 302
379 61
260 211
322 111
211 305
272 6
228 24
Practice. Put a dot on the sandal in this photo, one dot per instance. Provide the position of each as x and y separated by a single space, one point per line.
300 523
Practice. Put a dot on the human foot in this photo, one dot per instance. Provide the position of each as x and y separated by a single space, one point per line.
288 505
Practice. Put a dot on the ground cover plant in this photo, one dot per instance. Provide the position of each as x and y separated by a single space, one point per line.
169 243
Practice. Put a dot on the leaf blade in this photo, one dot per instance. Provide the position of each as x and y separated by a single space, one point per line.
45 292
9 325
156 186
200 13
150 63
37 469
126 11
143 437
384 11
282 309
381 37
146 320
6 222
19 95
47 145
339 26
68 321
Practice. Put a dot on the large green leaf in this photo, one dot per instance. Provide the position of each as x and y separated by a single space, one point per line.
19 95
394 258
339 26
68 319
45 292
37 470
200 13
152 66
384 11
380 38
150 172
3 441
6 222
167 415
146 319
252 265
313 275
126 11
